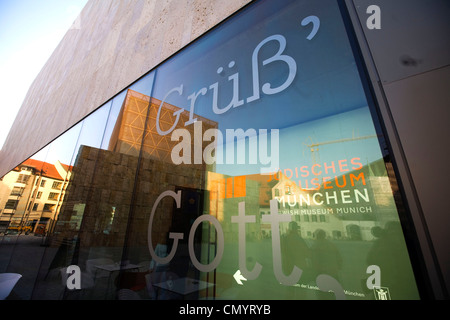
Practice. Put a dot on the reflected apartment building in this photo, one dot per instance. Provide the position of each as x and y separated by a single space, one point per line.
354 211
31 196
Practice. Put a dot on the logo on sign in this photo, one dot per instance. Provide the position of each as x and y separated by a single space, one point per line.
381 293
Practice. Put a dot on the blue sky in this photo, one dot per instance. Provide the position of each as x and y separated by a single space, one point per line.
30 30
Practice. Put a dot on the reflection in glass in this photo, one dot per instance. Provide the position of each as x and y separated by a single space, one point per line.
47 173
322 206
249 168
96 210
19 194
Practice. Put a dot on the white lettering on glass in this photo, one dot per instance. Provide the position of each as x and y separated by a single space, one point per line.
220 243
325 282
176 113
277 57
316 25
176 236
274 218
234 78
241 220
235 102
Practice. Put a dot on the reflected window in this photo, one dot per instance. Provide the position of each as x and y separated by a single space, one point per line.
23 178
17 191
11 204
56 185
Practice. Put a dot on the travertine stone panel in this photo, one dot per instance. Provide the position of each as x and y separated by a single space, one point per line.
114 43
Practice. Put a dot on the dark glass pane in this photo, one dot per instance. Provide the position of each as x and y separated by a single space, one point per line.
66 243
96 209
36 214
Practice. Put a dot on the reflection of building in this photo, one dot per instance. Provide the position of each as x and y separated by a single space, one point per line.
225 193
101 187
31 194
99 208
129 128
346 207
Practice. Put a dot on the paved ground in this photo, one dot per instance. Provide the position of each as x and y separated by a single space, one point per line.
29 256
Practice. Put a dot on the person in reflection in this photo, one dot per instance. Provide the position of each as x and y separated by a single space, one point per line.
390 254
326 259
295 252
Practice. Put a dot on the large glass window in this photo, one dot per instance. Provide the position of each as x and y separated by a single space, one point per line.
247 166
92 225
262 174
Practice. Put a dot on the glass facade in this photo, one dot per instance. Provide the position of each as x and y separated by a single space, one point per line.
247 166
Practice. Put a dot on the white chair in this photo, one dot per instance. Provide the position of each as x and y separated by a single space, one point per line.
7 283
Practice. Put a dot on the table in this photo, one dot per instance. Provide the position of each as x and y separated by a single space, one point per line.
113 267
184 286
116 267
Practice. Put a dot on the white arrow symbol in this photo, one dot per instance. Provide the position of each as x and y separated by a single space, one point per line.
238 277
